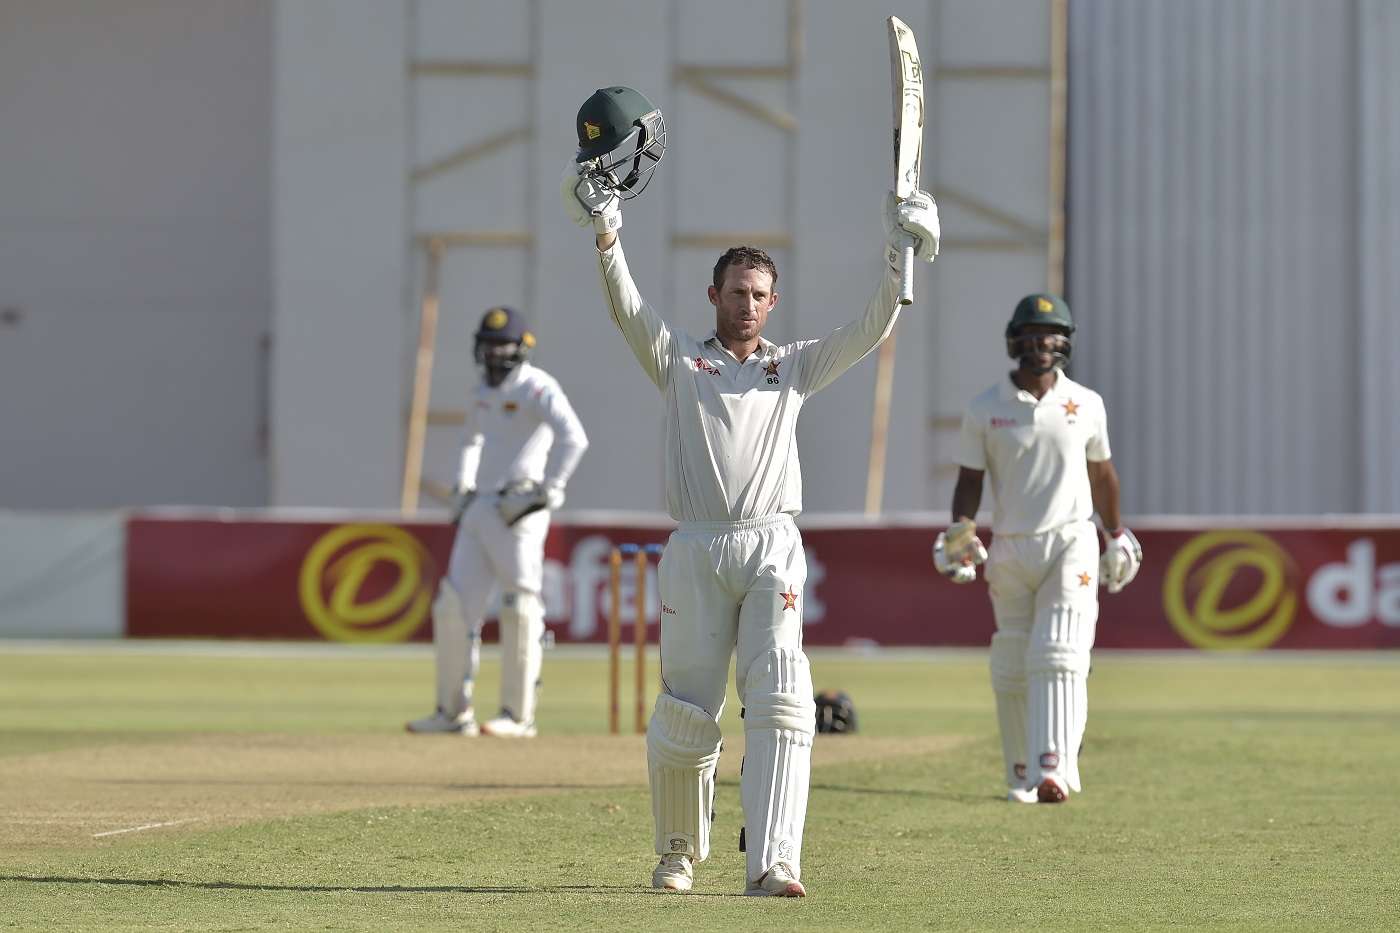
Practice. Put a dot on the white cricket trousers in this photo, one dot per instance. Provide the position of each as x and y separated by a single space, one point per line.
1044 591
486 555
722 594
734 588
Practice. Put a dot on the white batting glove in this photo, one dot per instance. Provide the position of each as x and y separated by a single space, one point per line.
958 551
588 202
1120 561
913 219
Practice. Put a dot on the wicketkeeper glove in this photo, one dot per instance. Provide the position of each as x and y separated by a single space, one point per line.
520 499
1120 561
461 501
588 202
958 551
915 219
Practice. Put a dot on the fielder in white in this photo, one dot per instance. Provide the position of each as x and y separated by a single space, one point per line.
522 444
732 573
1042 440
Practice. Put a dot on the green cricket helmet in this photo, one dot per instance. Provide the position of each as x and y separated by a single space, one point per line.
623 136
1040 308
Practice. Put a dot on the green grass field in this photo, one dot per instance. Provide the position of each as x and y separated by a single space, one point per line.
193 788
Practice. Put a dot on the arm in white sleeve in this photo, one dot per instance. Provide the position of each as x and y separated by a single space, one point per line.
1098 449
821 361
646 332
471 451
570 441
972 443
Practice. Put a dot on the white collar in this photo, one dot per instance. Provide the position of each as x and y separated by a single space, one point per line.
766 348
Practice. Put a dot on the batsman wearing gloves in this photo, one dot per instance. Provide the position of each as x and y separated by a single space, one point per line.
522 444
1042 439
732 573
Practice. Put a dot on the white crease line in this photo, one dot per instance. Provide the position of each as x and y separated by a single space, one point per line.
137 829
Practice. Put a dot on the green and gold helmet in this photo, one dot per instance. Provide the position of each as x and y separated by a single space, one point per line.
1040 308
623 136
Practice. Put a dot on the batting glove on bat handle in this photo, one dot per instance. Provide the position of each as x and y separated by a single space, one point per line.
912 229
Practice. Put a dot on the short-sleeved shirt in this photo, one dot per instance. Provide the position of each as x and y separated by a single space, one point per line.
731 445
1036 452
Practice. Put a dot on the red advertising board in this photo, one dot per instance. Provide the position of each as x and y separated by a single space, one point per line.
1224 588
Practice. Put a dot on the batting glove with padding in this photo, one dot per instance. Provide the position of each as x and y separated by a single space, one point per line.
915 219
527 497
1120 561
958 551
588 201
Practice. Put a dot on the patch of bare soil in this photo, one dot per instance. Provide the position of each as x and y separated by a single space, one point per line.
104 794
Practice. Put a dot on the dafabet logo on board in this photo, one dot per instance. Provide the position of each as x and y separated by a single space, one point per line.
1239 590
367 583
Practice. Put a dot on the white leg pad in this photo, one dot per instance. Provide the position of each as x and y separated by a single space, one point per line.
1008 668
683 744
522 652
780 718
457 647
1057 668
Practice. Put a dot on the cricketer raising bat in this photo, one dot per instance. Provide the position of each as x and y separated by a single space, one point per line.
907 83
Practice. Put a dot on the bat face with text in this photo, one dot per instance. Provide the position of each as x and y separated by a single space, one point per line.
907 83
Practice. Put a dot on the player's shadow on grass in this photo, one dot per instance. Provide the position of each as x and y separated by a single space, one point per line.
341 888
420 785
920 792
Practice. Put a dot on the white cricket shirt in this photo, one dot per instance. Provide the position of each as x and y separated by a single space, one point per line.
1036 452
731 446
523 429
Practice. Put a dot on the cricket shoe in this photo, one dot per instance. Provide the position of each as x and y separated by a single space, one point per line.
1052 790
673 873
777 881
505 726
442 724
1022 795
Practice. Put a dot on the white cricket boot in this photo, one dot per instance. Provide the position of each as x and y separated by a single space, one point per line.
443 724
506 726
1022 795
673 873
777 881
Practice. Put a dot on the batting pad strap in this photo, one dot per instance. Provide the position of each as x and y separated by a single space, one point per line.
683 747
778 693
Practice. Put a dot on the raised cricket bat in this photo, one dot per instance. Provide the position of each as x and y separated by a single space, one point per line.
907 82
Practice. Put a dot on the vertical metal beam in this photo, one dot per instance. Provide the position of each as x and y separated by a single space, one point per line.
422 382
1059 104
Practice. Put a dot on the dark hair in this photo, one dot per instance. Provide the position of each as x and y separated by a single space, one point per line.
750 257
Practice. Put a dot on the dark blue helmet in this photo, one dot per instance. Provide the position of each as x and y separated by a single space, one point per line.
505 325
501 326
